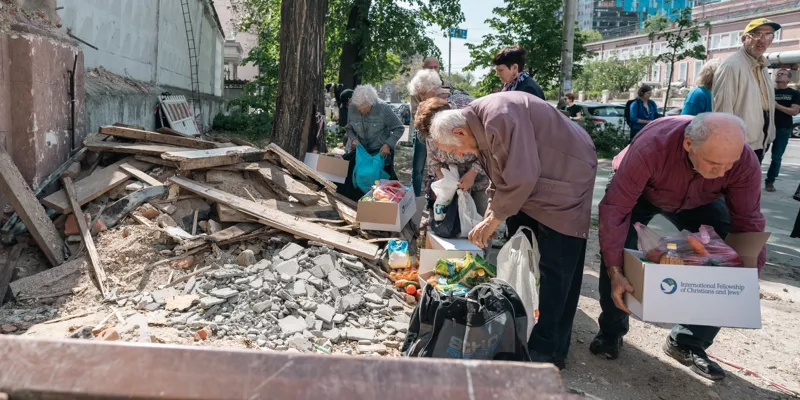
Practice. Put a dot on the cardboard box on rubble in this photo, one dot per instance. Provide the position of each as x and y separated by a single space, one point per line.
386 216
698 295
331 168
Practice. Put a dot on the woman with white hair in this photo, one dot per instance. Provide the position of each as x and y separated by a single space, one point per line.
698 100
373 124
426 84
542 169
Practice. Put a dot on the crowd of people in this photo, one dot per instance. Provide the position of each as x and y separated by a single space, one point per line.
528 164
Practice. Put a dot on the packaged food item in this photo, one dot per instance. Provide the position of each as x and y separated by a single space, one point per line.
448 267
399 258
671 257
474 272
388 191
455 289
705 247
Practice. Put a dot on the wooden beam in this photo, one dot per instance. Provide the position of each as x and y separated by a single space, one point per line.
299 169
156 160
347 213
146 136
283 221
16 190
197 159
94 185
239 167
138 174
281 182
86 236
7 269
133 148
228 214
169 131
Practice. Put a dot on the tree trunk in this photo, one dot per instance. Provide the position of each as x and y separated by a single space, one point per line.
353 50
301 74
669 86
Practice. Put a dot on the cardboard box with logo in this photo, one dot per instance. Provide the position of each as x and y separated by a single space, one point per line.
331 168
698 295
386 216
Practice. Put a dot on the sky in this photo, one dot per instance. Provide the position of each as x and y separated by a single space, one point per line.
475 13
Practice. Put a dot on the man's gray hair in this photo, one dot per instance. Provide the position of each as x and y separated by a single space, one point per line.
364 95
443 125
698 130
424 81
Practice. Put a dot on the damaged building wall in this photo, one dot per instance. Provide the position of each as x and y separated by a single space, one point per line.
144 41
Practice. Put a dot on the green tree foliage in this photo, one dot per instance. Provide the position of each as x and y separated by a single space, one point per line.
534 25
593 35
683 41
612 74
464 81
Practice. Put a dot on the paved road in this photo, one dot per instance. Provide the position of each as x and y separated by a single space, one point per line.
779 208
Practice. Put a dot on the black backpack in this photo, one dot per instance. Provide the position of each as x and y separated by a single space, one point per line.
487 323
628 113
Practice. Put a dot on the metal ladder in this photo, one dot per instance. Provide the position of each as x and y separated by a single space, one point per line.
193 65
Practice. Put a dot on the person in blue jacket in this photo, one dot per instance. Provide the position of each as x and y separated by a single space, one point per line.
643 110
698 100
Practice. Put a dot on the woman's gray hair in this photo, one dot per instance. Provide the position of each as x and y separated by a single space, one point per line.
443 125
698 130
706 75
364 95
424 81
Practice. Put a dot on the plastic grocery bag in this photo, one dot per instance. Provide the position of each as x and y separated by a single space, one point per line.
444 189
368 169
450 225
468 212
704 248
518 264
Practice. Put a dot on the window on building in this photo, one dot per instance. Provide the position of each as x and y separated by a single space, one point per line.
683 69
778 35
698 65
667 72
714 42
724 41
656 73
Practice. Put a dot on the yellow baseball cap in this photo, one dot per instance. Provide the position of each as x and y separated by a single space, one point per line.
761 22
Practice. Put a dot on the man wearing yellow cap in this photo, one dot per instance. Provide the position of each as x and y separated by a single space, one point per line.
742 85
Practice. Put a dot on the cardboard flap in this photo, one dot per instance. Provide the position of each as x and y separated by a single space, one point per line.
634 272
377 212
437 242
748 245
332 165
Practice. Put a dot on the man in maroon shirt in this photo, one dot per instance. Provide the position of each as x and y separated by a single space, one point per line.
693 172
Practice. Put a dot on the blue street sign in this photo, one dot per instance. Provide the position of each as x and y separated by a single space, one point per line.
458 33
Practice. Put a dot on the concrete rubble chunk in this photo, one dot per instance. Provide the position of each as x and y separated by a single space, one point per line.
334 335
311 291
269 277
360 334
299 288
356 266
373 298
325 313
259 282
160 295
316 282
262 306
352 301
392 344
398 326
263 264
181 302
396 305
300 343
372 348
291 325
246 258
305 275
348 257
338 280
224 293
208 302
289 268
291 250
318 272
226 272
339 318
381 291
187 288
325 262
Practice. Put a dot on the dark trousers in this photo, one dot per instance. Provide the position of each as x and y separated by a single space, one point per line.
561 274
778 148
765 129
420 155
796 229
613 321
349 189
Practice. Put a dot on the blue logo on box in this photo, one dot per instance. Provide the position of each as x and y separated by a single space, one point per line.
669 286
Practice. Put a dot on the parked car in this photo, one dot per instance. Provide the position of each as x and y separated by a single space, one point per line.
796 126
603 113
403 111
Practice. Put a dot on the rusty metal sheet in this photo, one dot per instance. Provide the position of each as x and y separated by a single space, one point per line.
84 369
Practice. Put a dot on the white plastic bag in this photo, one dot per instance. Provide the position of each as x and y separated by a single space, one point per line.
444 189
468 213
518 264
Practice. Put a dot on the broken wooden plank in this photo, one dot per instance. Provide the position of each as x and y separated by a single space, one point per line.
16 190
194 221
232 232
169 131
156 160
187 276
283 221
197 159
7 270
239 167
133 148
347 213
93 186
154 137
86 236
228 214
119 209
281 182
138 174
299 169
141 128
54 280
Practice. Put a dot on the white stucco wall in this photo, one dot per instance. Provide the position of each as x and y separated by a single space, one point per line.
146 40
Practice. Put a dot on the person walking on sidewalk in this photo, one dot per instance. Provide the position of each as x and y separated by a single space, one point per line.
542 168
787 105
643 110
742 85
678 167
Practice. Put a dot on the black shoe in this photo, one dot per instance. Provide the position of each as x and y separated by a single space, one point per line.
769 186
697 359
606 346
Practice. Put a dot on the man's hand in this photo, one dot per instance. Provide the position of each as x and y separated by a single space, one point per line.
619 285
466 181
385 150
483 232
355 142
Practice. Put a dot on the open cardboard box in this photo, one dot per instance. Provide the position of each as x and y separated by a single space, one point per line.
439 243
698 295
385 216
331 168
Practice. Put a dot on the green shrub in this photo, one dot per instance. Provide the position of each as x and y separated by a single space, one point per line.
254 126
609 139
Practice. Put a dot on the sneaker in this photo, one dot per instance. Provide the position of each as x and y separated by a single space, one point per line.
697 359
769 186
606 346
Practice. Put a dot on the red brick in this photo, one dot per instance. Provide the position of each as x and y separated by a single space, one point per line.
71 225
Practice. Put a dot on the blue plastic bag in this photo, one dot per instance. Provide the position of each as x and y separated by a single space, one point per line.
368 169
